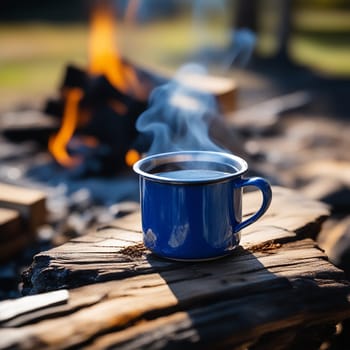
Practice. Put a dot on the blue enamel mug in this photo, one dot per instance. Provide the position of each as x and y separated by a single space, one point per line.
191 203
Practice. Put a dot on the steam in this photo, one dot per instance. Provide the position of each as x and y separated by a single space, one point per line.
242 43
237 52
239 42
178 116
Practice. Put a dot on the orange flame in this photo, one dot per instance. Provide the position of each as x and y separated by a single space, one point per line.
131 157
102 53
103 59
58 143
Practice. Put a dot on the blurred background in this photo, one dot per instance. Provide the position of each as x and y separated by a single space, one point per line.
38 38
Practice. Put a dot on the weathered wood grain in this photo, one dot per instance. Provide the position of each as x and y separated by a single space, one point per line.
277 282
238 299
101 255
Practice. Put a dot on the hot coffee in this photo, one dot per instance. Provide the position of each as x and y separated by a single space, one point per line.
193 174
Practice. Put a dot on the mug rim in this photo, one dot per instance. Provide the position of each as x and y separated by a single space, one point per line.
233 161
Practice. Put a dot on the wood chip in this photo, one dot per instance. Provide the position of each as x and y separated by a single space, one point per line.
12 308
134 251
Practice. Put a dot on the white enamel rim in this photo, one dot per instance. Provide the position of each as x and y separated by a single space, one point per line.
142 167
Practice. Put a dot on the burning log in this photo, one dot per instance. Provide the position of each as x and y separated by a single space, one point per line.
105 134
99 106
104 129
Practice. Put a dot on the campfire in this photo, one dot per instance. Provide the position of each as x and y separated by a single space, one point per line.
98 107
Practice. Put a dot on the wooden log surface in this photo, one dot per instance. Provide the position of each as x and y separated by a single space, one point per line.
109 253
278 280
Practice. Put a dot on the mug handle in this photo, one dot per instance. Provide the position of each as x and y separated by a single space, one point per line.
265 188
